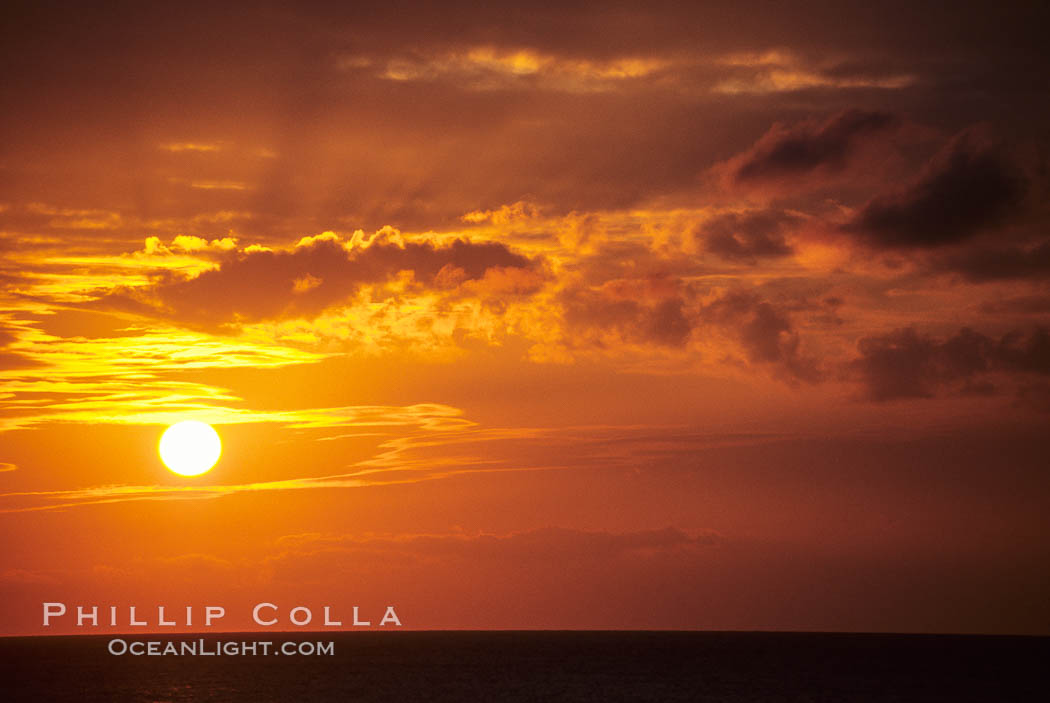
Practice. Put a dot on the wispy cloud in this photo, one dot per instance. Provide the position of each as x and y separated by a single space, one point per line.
781 72
441 444
493 68
192 147
219 185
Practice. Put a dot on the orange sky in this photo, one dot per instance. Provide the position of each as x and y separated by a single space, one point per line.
552 316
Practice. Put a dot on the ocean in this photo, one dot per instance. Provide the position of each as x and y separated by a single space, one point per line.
534 666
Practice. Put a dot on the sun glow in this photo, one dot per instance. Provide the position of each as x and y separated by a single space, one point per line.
190 448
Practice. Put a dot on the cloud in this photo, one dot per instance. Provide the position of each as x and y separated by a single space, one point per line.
128 378
766 333
525 67
477 148
1034 396
219 185
192 147
413 444
430 418
503 68
7 335
749 236
968 187
781 72
633 312
184 244
787 152
1024 305
11 360
1025 352
983 263
520 211
907 364
259 284
662 311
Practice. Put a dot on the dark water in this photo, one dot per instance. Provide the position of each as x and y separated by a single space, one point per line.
542 666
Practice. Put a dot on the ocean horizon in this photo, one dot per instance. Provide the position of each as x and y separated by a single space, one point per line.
527 665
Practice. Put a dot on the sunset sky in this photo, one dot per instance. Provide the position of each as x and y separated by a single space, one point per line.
544 315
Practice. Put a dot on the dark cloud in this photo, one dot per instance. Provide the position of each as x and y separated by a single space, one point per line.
257 285
418 154
784 152
7 335
671 313
904 364
997 262
632 313
620 26
1034 396
10 360
907 364
766 333
1025 352
13 360
749 236
668 323
1024 305
971 185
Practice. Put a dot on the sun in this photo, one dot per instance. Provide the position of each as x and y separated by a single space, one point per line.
190 447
